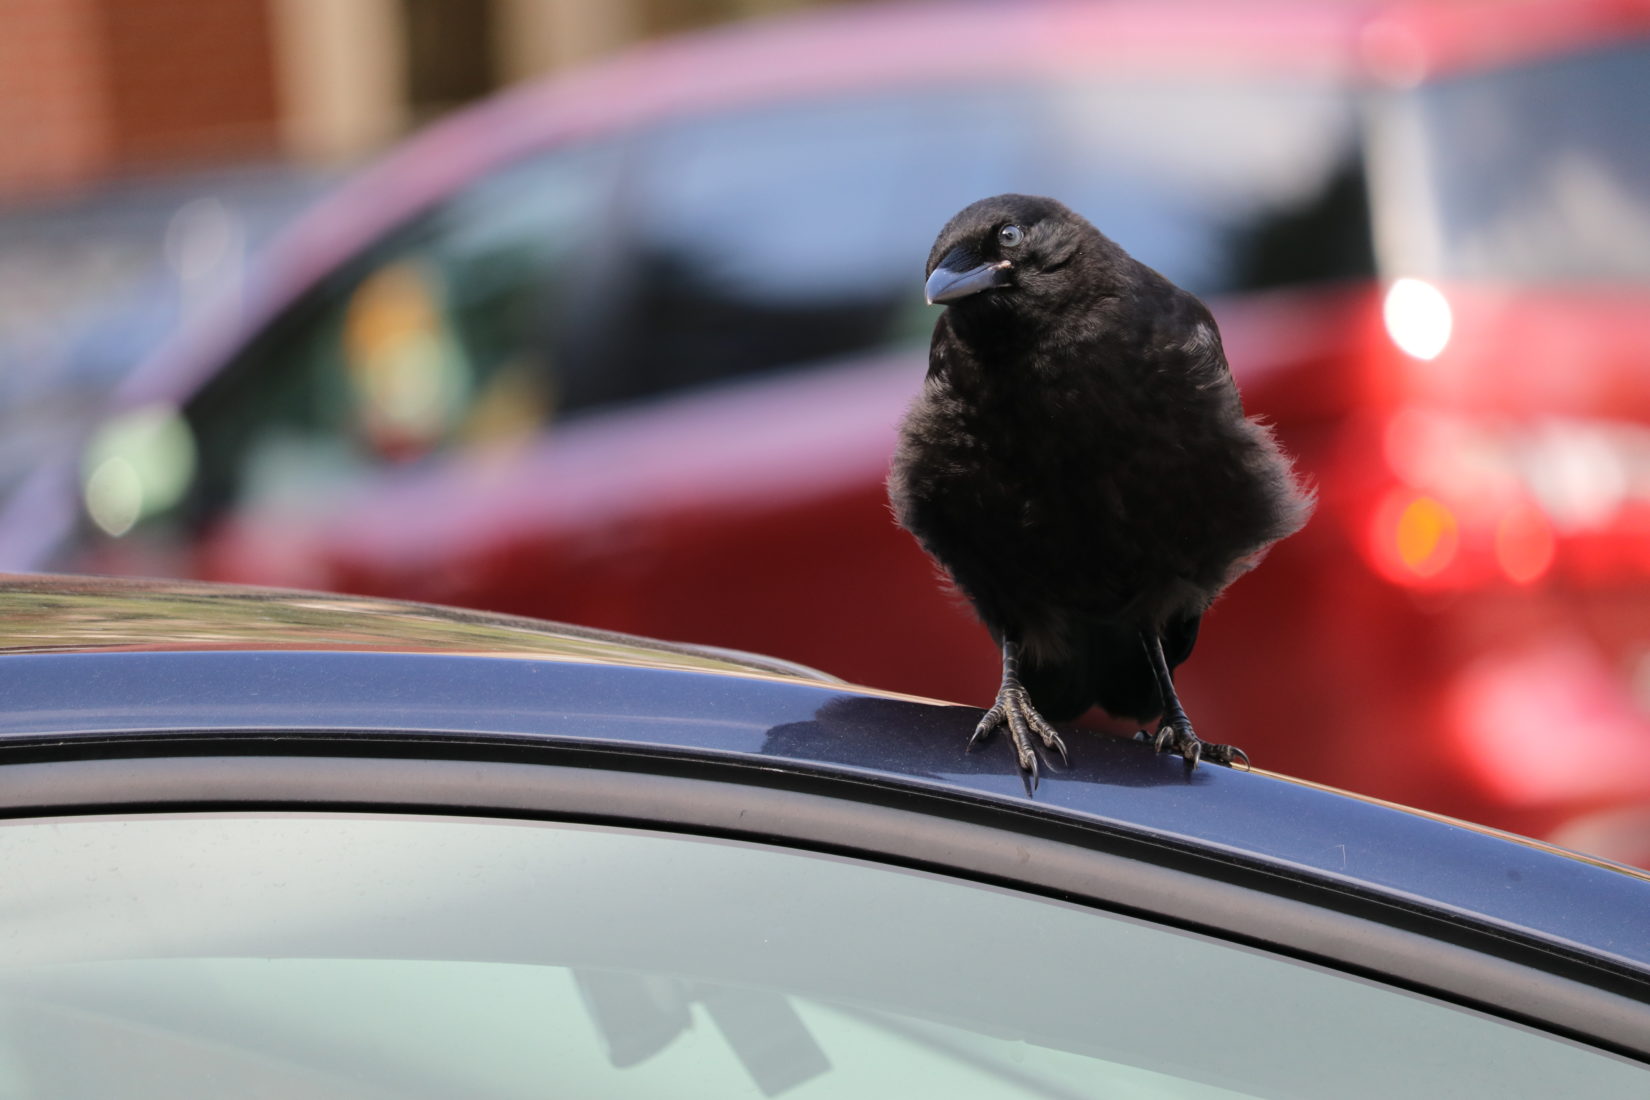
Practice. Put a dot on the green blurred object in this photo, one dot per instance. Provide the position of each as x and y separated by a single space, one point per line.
138 464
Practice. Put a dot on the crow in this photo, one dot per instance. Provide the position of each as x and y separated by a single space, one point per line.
1079 463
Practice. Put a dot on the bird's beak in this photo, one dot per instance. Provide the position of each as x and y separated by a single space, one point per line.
948 282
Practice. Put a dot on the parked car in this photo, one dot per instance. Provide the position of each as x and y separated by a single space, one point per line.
629 348
330 846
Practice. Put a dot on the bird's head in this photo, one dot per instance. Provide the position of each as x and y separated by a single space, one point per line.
1013 249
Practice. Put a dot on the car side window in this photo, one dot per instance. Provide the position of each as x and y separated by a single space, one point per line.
371 956
438 338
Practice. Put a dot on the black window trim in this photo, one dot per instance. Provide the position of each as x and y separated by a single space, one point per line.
1191 888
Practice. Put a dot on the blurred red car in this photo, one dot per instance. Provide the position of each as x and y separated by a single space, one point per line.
629 348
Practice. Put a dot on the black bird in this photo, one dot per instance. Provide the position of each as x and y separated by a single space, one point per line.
1080 464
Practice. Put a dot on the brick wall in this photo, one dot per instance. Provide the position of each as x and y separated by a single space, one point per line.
51 94
91 87
189 80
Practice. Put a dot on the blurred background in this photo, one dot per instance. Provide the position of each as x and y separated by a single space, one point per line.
607 312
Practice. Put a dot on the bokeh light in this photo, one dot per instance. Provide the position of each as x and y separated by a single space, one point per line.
1524 544
1413 536
1418 318
139 463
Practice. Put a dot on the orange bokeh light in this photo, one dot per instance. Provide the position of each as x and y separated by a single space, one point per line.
1426 536
1414 536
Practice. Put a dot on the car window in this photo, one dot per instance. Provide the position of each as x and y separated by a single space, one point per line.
814 219
1531 173
438 337
716 247
344 955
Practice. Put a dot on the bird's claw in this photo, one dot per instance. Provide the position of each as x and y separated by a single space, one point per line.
1227 755
987 726
1178 737
1013 709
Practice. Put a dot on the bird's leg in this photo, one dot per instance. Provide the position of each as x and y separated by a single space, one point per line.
1013 709
1175 730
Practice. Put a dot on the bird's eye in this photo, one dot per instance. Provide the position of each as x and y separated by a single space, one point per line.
1010 235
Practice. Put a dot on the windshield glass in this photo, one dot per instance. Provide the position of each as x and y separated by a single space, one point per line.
815 217
356 956
1538 173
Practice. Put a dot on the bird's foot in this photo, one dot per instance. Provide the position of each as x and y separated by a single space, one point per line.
1013 709
1179 737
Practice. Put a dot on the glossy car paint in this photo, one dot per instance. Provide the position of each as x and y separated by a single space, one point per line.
696 518
130 697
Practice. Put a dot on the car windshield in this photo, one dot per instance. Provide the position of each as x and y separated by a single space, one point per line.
843 197
792 232
360 956
1535 173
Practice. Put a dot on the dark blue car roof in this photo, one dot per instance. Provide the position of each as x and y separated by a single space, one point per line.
84 661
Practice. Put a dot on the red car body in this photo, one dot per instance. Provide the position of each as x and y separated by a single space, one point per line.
1439 634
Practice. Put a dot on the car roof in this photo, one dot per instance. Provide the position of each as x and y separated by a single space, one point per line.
88 661
67 614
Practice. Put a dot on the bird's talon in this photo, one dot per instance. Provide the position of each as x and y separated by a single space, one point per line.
1014 710
1055 742
1171 736
986 727
1046 733
1228 755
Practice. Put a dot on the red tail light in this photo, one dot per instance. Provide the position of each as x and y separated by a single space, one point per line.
1466 502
